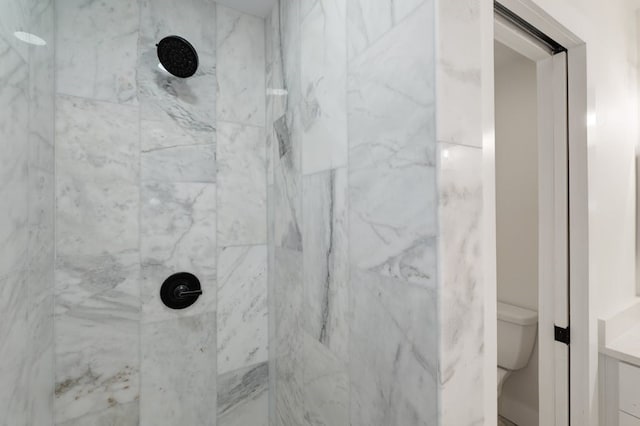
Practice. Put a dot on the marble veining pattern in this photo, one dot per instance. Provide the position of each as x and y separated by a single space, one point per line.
178 371
460 287
242 307
368 21
240 44
392 167
97 280
393 352
458 73
243 396
326 254
241 184
324 80
97 64
177 234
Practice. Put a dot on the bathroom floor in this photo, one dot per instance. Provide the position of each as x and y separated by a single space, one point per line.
504 422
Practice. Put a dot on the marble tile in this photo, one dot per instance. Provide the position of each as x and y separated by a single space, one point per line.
184 110
324 83
460 287
14 370
119 415
42 386
326 386
392 154
287 195
290 48
393 352
185 106
97 272
97 141
241 63
369 21
242 307
165 134
326 259
15 16
196 163
193 20
178 371
14 183
42 88
40 287
242 396
289 343
97 353
97 198
97 64
177 235
241 185
458 73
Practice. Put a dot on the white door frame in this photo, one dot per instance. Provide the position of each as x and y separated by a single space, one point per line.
583 356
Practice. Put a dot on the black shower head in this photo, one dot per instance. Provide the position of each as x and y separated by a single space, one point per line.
177 56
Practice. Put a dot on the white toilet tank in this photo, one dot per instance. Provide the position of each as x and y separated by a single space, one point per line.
517 328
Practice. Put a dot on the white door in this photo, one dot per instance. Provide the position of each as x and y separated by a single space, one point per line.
553 255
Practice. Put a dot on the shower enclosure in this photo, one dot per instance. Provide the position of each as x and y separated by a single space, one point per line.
297 174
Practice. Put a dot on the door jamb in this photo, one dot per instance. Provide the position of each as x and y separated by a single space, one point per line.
583 356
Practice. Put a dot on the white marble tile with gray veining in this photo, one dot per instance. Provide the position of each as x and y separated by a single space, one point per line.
97 198
119 415
240 48
368 21
177 111
289 343
193 20
14 370
97 352
326 259
178 371
458 73
184 105
243 396
461 292
165 134
326 386
97 142
14 94
178 234
392 155
287 194
324 83
241 185
242 307
99 54
393 352
196 163
289 46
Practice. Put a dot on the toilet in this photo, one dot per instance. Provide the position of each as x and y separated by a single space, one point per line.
517 329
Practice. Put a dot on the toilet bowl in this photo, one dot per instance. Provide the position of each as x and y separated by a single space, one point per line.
517 329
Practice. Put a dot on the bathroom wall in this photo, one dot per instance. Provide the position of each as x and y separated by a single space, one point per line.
352 212
26 214
159 175
517 213
459 130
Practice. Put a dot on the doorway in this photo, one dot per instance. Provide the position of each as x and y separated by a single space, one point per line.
532 165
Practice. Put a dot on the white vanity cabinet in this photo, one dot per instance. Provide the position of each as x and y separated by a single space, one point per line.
619 392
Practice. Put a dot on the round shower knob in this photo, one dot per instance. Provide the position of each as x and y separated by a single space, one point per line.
180 290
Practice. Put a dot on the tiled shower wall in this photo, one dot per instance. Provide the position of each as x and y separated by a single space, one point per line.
26 214
353 205
159 175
